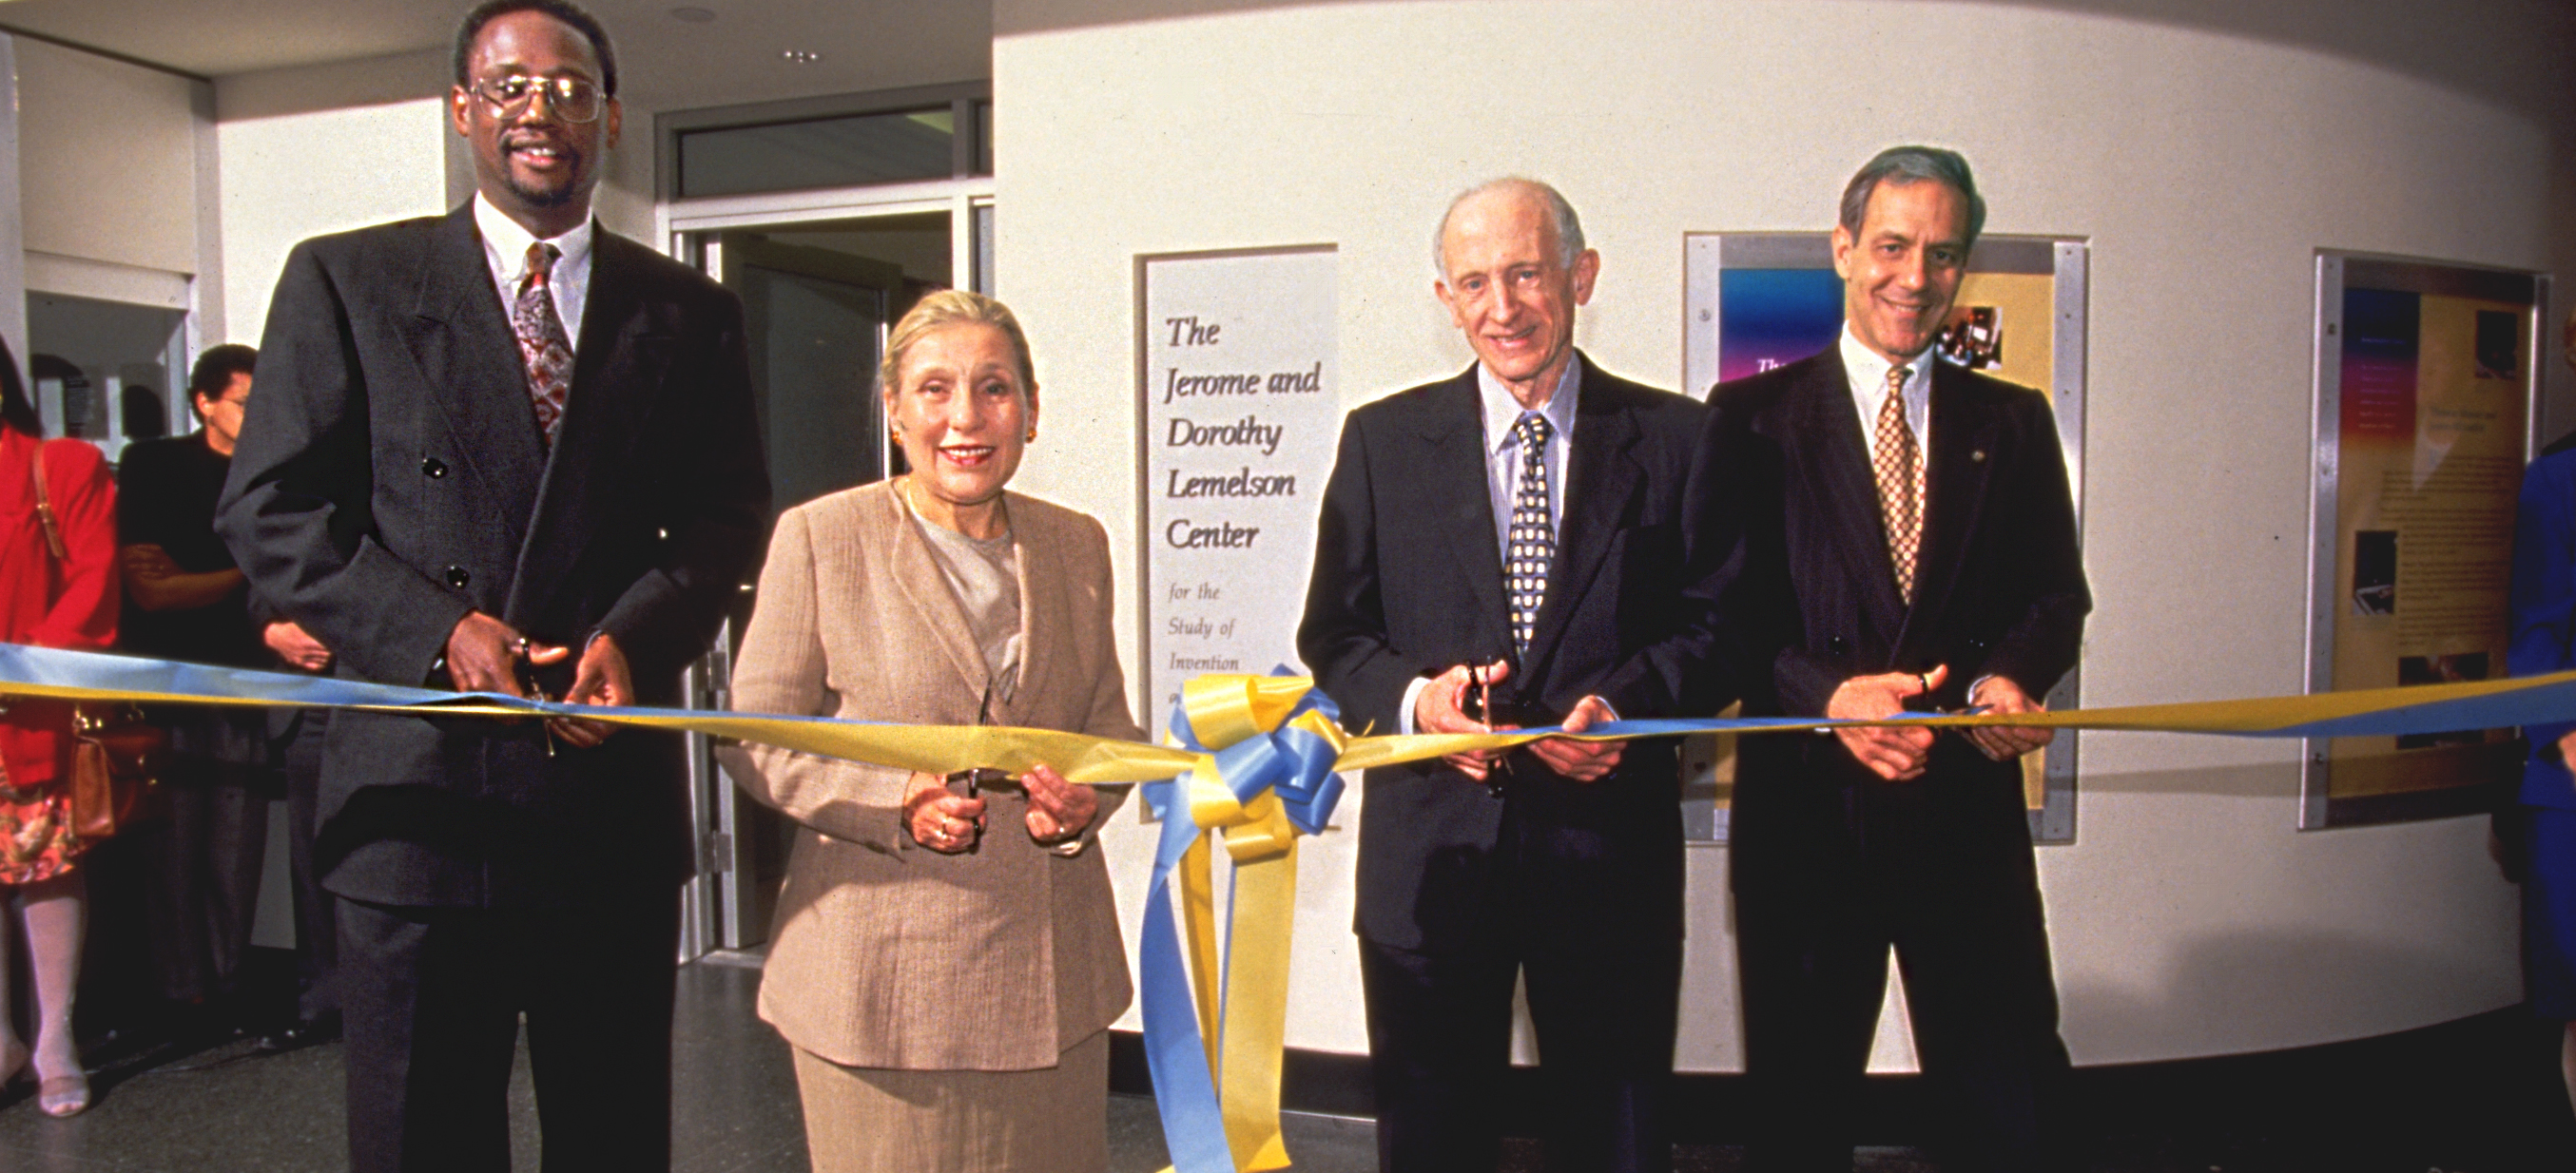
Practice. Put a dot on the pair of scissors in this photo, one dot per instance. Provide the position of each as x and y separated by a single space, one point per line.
1498 768
971 783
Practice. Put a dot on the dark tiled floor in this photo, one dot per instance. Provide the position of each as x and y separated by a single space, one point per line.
2472 1097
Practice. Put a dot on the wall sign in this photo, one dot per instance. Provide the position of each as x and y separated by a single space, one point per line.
1238 411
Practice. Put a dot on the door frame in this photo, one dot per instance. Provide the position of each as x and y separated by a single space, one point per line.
968 203
706 926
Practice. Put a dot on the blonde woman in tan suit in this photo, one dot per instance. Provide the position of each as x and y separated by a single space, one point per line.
945 966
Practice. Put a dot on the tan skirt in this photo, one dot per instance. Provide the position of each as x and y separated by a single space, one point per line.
872 1119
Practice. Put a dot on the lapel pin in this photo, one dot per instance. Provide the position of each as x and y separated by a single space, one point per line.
1977 457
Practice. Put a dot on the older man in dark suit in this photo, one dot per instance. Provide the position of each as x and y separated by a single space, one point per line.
1515 533
504 450
1909 542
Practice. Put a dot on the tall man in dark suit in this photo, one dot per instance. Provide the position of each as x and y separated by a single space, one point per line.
1515 531
1909 542
503 449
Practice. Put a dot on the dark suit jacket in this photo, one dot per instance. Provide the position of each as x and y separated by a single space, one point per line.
390 479
1999 585
1408 581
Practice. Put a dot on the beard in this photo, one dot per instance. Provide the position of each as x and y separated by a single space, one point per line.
542 197
546 191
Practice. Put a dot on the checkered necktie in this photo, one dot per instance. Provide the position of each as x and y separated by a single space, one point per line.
1533 539
542 341
1899 465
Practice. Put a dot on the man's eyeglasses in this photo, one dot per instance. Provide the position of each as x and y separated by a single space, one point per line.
572 99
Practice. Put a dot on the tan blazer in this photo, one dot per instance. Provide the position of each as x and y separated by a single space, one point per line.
885 953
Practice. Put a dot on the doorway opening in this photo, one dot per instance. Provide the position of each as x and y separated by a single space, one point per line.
819 298
107 372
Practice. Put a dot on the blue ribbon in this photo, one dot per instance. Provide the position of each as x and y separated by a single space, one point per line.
1296 765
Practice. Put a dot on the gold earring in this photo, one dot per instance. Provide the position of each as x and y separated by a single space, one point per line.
1033 434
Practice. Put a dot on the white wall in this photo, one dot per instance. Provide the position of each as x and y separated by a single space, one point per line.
107 155
321 149
2205 165
328 148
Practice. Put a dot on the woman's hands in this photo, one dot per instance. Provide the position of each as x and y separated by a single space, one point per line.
942 821
938 819
1058 810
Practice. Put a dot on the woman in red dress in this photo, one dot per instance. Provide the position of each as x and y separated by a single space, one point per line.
64 599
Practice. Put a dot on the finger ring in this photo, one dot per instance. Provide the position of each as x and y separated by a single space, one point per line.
521 646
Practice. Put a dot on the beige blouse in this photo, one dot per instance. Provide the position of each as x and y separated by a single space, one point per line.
984 575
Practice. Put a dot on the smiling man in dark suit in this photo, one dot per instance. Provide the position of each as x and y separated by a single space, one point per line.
1515 531
503 449
1909 541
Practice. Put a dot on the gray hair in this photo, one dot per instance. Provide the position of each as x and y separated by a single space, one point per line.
1569 227
1904 165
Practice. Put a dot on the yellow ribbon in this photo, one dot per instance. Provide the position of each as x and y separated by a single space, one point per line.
1243 1025
1240 992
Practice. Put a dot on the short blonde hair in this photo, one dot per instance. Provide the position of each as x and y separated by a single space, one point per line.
939 311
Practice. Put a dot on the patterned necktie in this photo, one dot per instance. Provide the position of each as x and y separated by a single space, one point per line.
1533 538
1899 465
542 342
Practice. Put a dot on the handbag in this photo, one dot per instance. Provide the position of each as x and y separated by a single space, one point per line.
116 754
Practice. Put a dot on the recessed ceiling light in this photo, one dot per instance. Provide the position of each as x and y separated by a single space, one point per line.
800 56
694 15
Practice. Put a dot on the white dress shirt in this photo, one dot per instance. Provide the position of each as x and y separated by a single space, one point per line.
1867 370
1868 373
505 250
1503 446
1498 412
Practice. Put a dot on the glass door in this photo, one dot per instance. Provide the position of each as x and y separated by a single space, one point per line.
815 321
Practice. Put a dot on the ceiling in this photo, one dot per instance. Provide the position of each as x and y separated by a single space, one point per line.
664 62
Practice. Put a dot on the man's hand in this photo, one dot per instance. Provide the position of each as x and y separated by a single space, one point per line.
1441 708
2567 751
292 645
938 818
1895 754
1583 761
483 655
1058 810
2004 743
600 679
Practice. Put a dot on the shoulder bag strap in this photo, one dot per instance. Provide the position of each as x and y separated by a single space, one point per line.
45 510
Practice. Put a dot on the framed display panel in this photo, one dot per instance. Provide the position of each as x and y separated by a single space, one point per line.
2427 394
1756 300
1237 414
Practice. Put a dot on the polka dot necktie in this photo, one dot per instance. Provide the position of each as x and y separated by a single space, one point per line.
1899 465
1533 537
543 344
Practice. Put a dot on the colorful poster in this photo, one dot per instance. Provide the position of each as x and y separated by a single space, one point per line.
1774 317
2428 413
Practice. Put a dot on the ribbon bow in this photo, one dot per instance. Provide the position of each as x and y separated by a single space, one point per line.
1214 1030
